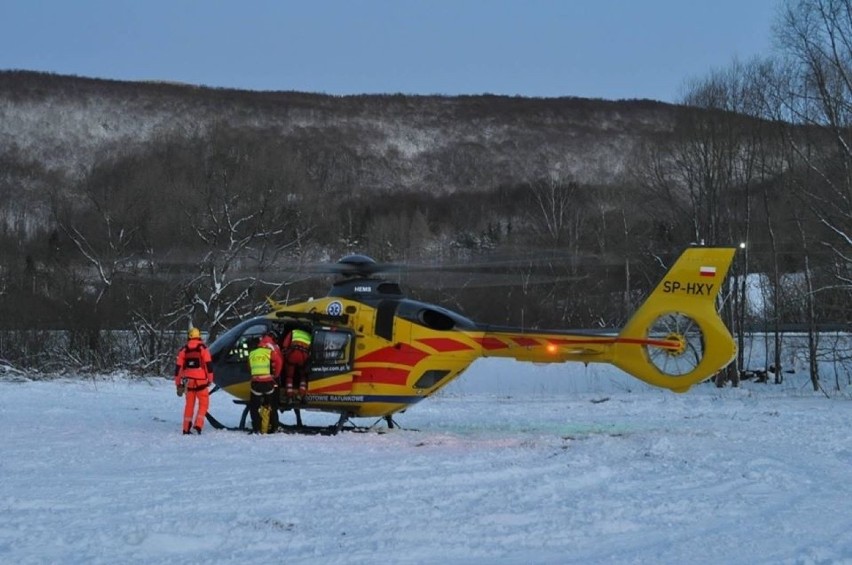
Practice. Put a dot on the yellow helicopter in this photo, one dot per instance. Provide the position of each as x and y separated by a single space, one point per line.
376 353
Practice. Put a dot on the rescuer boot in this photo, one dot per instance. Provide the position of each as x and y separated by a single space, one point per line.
197 430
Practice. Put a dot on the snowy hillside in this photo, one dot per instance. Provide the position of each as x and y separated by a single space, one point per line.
67 124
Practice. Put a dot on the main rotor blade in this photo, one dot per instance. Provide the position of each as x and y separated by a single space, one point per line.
548 262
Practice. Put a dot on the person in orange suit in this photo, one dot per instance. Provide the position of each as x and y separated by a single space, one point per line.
193 374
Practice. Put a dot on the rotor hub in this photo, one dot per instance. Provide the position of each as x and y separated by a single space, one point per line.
681 344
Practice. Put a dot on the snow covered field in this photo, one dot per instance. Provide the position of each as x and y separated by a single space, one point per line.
511 464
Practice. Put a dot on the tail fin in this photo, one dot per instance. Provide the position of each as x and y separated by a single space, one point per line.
685 341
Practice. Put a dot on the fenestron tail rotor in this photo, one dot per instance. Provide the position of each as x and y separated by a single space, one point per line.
675 328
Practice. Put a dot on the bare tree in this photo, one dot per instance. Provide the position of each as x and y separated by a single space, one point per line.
816 41
555 202
106 232
242 217
105 226
560 214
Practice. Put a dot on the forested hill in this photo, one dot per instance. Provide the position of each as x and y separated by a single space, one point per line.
65 124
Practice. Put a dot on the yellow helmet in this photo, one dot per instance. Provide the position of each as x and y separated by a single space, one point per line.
193 333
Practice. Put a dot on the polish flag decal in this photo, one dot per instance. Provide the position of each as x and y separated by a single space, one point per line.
707 271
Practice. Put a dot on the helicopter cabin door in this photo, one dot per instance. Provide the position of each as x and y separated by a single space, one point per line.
332 356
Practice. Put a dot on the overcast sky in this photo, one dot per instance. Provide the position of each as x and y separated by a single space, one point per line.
608 49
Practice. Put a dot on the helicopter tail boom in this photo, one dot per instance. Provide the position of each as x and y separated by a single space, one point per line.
676 338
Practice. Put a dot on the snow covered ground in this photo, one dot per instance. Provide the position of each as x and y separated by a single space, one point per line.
512 463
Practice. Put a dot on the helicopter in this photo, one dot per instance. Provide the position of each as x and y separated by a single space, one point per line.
376 352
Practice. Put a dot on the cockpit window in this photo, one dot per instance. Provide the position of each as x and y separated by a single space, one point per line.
245 343
436 320
431 316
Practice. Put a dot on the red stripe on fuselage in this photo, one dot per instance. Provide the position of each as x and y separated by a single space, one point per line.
583 341
444 344
399 354
341 387
490 343
494 343
383 375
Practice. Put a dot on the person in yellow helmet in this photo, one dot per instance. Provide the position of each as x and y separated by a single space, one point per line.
193 374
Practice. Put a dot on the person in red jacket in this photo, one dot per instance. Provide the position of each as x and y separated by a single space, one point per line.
277 358
297 353
193 374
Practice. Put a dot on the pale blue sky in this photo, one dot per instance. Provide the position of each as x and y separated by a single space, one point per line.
608 49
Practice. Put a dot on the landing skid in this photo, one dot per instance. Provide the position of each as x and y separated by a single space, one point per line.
343 424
